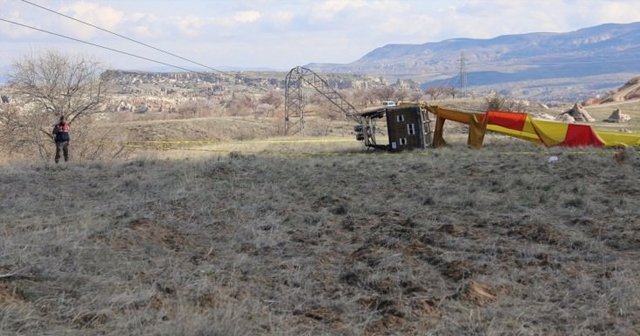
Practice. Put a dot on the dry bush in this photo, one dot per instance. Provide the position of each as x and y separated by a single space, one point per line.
433 92
188 108
196 108
241 105
273 98
92 142
498 103
264 110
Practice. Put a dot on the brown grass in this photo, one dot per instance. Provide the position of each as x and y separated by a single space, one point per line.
319 242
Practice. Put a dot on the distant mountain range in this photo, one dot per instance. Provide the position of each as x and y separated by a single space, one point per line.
593 58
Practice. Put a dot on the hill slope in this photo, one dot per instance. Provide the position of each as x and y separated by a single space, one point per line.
629 91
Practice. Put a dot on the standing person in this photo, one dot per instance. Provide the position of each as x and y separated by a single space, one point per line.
61 133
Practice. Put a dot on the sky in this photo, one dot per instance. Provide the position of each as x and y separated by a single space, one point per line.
278 34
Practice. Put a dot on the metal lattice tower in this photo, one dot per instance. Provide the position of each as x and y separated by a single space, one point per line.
296 79
462 76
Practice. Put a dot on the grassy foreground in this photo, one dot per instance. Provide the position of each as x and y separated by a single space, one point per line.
439 242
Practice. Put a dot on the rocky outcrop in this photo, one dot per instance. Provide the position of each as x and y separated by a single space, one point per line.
618 117
578 113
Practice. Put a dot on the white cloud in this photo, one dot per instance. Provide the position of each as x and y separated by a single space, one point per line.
191 25
281 17
96 14
621 11
143 31
247 16
328 9
143 25
232 20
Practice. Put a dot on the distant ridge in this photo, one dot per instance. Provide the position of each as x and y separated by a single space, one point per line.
595 51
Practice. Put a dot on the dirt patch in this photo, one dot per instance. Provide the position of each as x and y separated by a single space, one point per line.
322 314
424 308
144 231
421 251
10 294
335 205
453 230
328 317
391 314
479 293
90 319
160 234
387 325
539 233
457 270
371 255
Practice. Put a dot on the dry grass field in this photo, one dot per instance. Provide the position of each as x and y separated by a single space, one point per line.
603 111
324 240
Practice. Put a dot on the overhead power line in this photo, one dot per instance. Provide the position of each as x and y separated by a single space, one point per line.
121 36
98 45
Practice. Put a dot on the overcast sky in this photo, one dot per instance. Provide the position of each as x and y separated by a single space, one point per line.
281 34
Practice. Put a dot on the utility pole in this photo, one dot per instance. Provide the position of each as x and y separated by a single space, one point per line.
462 76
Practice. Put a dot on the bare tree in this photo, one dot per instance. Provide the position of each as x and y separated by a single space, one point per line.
433 92
59 85
9 128
415 96
47 87
385 93
450 91
401 94
360 97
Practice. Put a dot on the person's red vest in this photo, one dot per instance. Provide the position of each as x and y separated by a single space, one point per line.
62 132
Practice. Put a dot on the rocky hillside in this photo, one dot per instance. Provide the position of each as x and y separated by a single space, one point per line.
629 91
139 91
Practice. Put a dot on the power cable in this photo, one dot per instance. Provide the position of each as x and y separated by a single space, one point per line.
121 36
98 45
